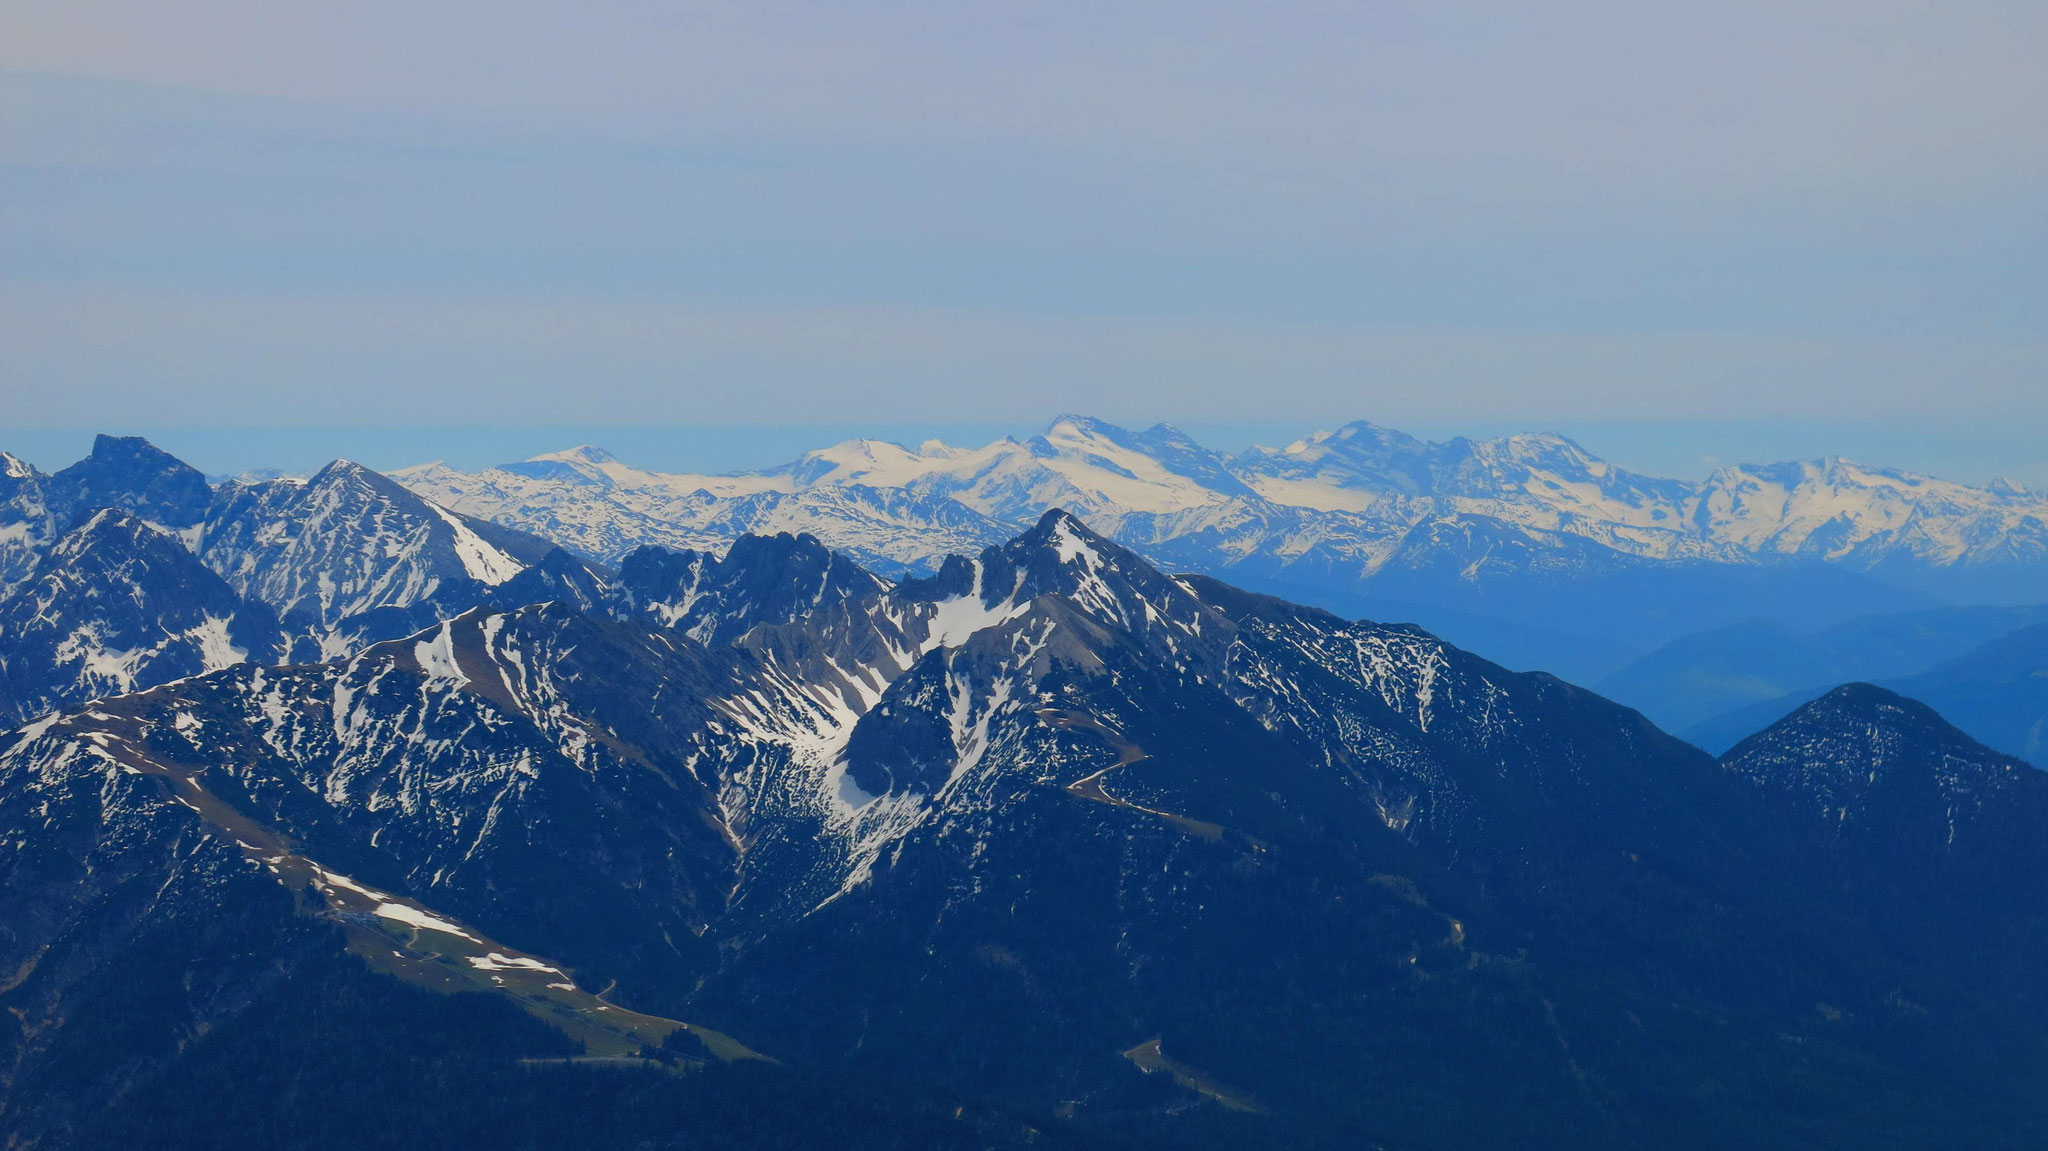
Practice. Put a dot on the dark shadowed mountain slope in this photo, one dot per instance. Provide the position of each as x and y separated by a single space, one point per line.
1301 854
1892 783
1129 852
779 579
1938 836
344 559
135 596
133 475
182 978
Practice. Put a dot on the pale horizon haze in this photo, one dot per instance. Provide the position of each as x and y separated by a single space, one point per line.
708 236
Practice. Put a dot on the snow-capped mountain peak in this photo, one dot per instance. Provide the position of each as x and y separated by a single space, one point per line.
1353 516
116 605
583 464
873 463
580 454
350 541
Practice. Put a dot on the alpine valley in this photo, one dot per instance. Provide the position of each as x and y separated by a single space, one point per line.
951 798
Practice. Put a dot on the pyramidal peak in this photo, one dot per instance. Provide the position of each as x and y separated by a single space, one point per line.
1061 533
340 466
101 527
347 472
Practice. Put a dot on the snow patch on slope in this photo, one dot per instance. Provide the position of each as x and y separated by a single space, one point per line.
437 656
484 563
954 621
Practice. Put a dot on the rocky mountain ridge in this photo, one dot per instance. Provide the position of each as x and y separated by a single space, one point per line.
1370 482
1335 880
1528 547
127 570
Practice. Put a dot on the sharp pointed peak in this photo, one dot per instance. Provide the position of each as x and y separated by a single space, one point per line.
342 471
339 468
1068 538
103 527
1058 519
1059 533
103 520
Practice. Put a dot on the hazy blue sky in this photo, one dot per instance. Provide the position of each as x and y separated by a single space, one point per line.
1736 229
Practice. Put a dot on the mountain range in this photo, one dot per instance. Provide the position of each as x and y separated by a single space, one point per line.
1996 691
1527 547
128 569
342 818
1977 665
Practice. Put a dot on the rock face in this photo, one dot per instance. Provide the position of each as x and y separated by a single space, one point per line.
27 521
133 475
348 556
125 473
116 605
780 579
1039 823
126 570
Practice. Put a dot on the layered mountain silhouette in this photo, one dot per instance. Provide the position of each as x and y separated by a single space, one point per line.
1694 682
1526 547
1996 690
1045 846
